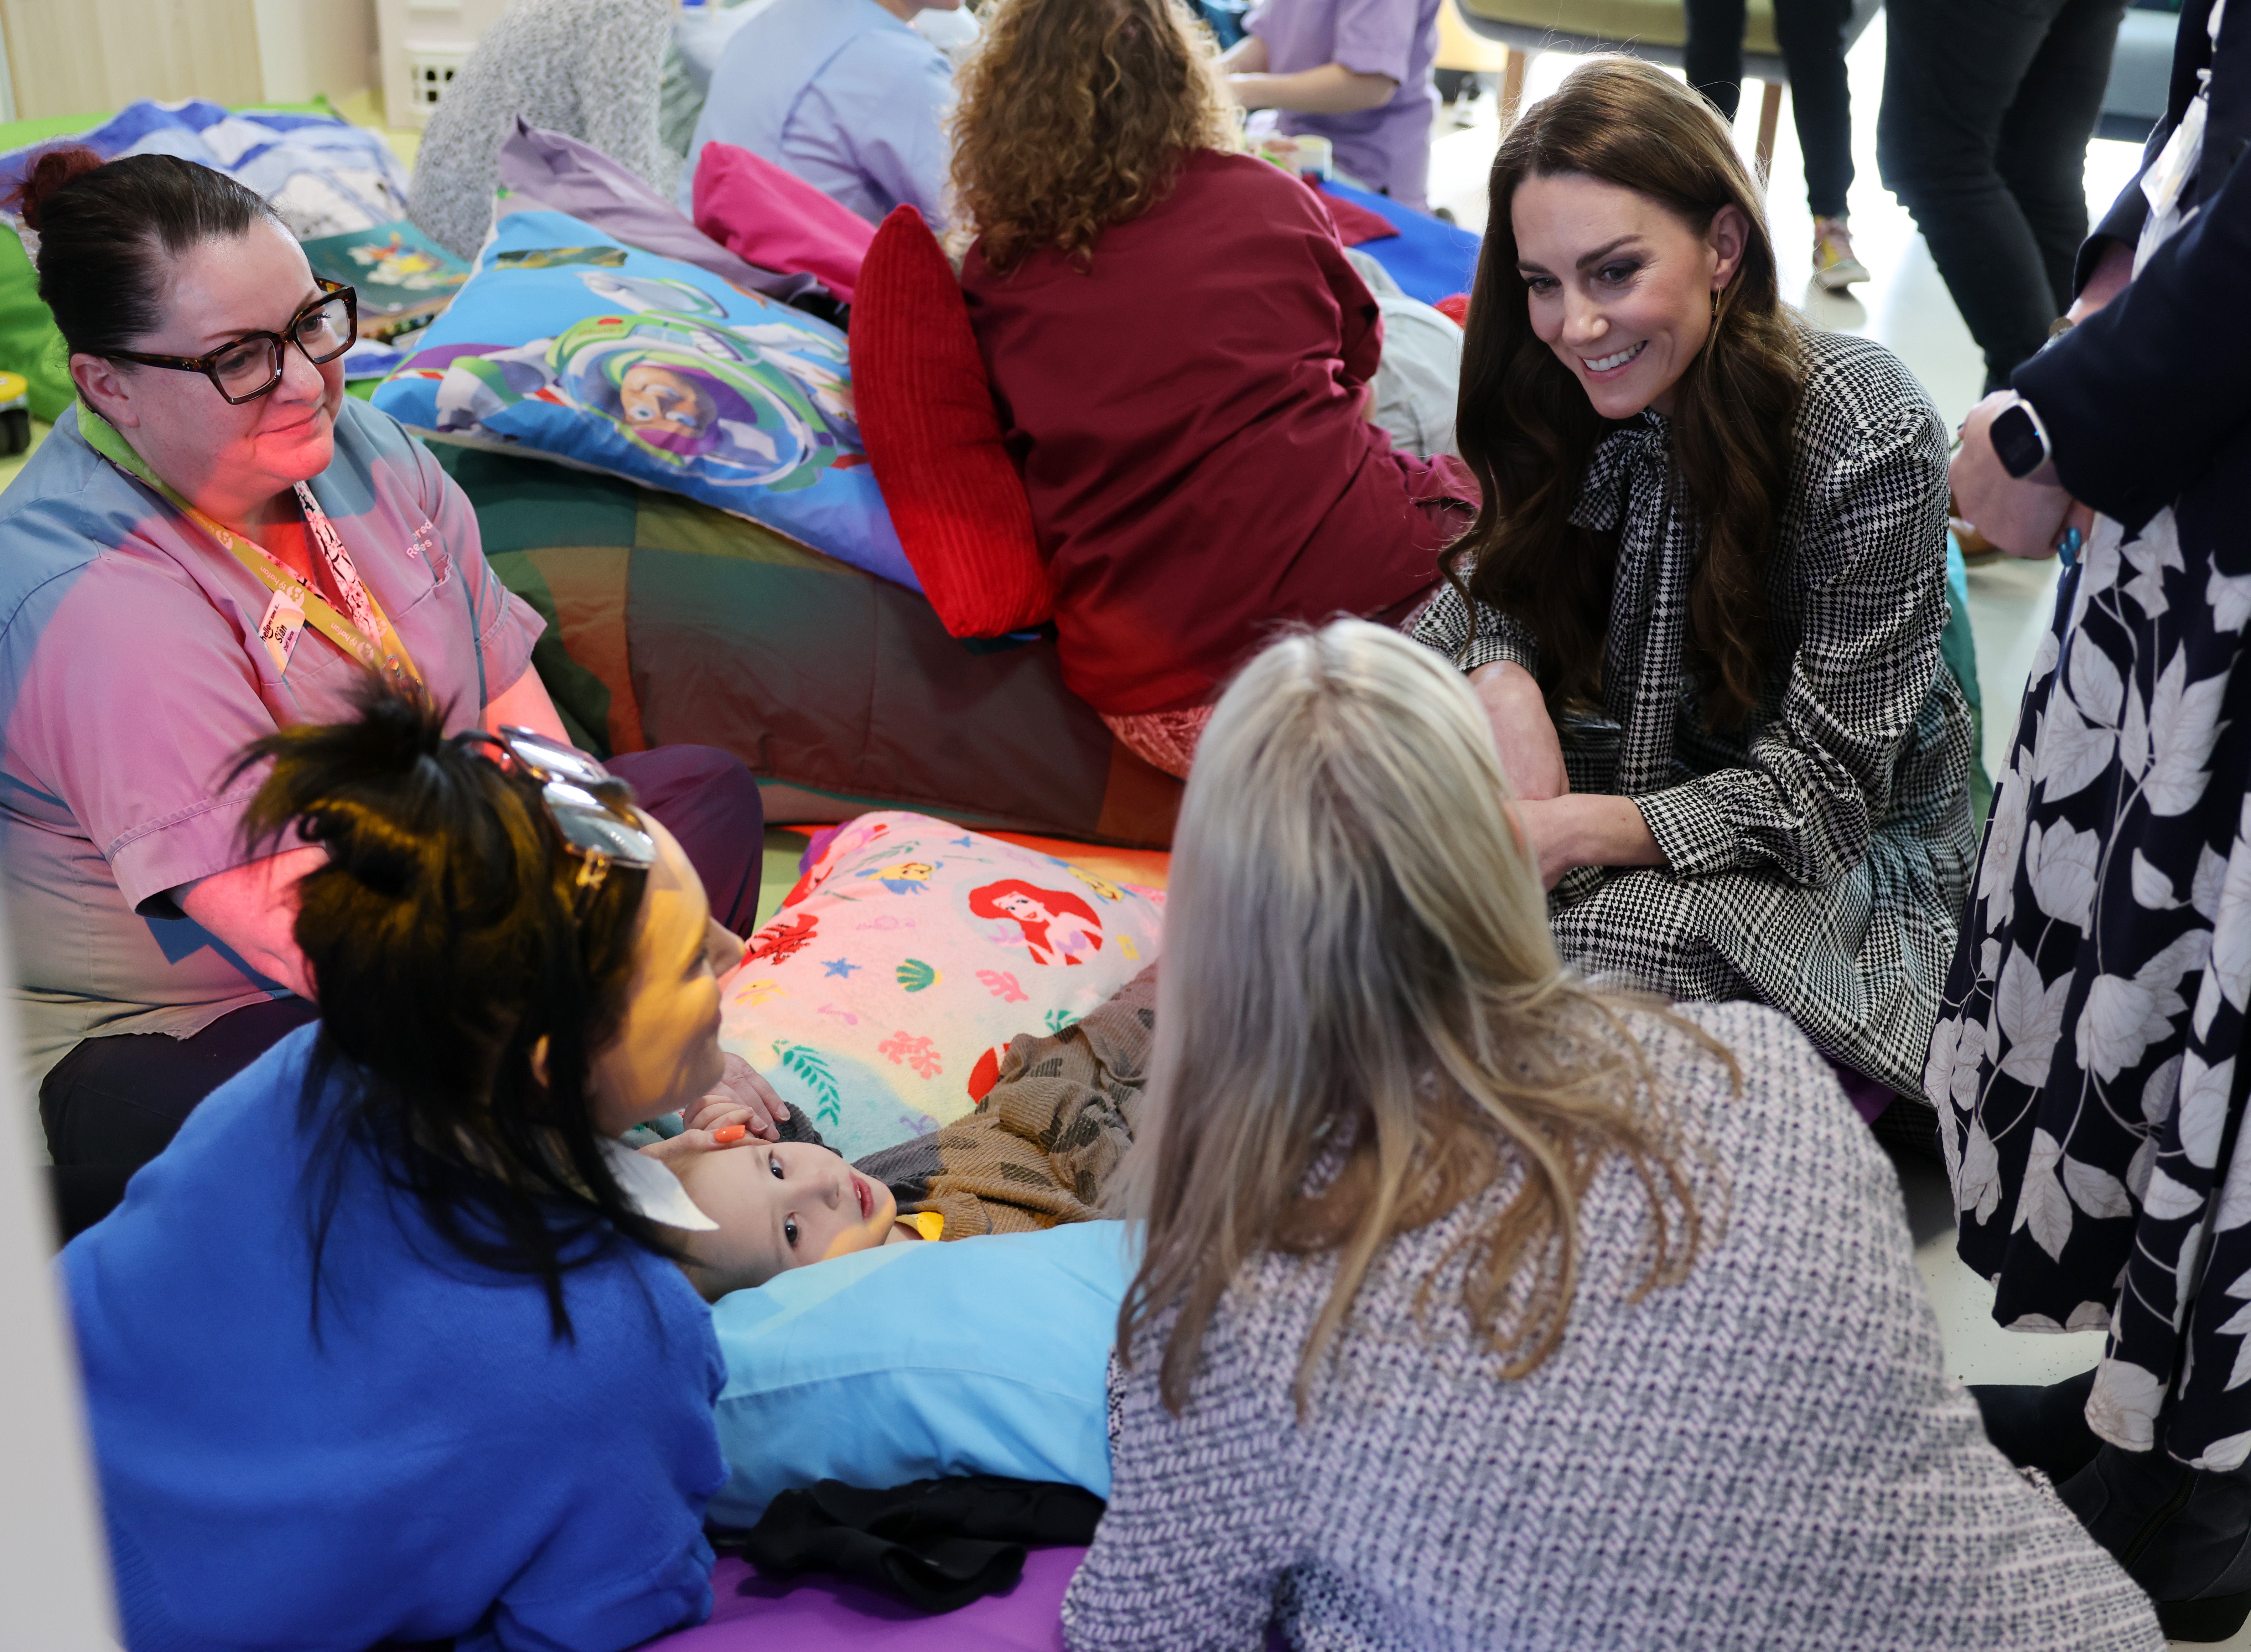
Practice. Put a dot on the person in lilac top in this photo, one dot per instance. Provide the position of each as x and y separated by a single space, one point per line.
842 94
217 542
1354 72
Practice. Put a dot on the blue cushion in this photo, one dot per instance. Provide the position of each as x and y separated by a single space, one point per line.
568 342
977 1356
1429 257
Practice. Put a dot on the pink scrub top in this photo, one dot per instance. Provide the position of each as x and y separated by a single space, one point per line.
131 672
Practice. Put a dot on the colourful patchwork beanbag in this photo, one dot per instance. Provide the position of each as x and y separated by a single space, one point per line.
570 343
880 997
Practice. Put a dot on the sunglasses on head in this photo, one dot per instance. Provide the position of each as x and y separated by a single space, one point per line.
598 835
251 366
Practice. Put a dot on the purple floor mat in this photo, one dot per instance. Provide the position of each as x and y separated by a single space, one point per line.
826 1614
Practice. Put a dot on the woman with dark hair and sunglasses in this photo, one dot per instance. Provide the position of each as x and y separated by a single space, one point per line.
390 1345
217 542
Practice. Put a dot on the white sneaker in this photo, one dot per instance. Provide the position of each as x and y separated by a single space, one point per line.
1834 267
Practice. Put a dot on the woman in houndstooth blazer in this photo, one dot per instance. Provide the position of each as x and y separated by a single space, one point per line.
1702 603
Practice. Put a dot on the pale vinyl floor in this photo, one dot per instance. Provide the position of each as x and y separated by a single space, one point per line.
1905 306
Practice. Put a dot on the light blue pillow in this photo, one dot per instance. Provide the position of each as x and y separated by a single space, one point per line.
978 1356
568 342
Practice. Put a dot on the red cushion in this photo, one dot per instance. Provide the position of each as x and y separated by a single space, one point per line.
1356 225
777 220
927 420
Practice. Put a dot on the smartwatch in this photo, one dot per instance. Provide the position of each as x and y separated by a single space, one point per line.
2019 440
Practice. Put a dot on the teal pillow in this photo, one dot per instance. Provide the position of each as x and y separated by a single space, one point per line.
978 1356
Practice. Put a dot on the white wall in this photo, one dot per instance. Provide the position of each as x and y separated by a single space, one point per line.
308 48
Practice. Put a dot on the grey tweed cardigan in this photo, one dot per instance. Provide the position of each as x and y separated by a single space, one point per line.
1817 860
1767 1456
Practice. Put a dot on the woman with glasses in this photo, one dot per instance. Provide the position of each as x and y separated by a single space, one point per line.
389 1347
216 543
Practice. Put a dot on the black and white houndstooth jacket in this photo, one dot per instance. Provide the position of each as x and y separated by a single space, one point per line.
1816 859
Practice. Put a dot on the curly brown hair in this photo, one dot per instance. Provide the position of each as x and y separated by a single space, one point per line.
1527 429
1075 114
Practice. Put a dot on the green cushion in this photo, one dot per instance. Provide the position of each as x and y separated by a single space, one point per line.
29 342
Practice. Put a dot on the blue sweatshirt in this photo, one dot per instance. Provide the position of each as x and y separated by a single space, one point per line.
436 1463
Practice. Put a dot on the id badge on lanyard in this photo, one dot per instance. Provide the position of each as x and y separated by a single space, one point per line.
284 622
362 631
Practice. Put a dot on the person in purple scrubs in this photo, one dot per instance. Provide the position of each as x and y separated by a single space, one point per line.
215 543
841 93
1354 72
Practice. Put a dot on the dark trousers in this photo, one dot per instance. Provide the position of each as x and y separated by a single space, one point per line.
1988 107
111 1104
709 802
1811 36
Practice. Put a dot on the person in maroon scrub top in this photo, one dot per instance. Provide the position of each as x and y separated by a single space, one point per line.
1181 356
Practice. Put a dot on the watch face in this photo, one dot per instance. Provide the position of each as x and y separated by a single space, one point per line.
2016 441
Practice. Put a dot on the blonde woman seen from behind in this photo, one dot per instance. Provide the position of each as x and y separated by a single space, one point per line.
1483 1308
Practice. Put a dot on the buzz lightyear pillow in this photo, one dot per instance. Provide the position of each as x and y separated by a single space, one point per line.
571 345
881 996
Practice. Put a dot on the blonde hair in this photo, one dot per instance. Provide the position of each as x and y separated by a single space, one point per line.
1359 989
1075 114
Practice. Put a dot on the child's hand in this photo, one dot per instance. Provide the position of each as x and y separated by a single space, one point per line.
741 1098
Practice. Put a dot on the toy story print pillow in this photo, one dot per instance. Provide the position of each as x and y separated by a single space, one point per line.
569 344
880 997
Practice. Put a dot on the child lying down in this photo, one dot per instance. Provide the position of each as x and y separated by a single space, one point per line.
1037 1152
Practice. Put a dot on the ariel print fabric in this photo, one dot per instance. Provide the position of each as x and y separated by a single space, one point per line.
881 996
570 343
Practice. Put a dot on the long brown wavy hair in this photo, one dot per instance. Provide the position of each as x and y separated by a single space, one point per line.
1527 428
1076 114
1362 1023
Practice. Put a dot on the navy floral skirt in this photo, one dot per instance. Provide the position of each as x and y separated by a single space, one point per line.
2085 1068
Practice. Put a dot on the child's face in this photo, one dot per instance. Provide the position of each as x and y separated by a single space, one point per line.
778 1205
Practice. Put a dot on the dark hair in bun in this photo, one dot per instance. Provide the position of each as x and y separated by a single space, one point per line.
49 171
109 230
444 940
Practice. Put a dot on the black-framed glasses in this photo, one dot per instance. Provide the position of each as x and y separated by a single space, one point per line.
598 833
251 366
